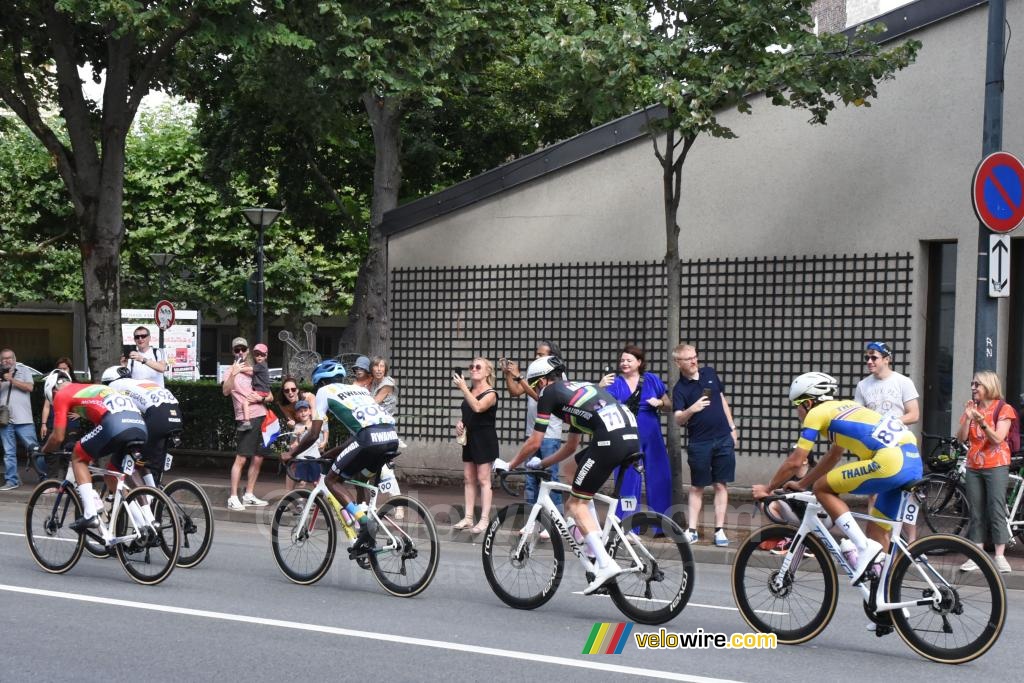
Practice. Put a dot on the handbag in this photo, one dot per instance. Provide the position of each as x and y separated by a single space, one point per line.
5 409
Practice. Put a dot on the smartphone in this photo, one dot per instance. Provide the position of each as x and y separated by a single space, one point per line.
706 393
126 349
503 362
608 369
457 371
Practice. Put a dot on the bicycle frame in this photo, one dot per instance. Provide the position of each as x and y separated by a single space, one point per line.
611 523
812 523
141 519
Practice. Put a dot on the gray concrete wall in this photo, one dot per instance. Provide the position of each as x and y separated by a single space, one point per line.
886 178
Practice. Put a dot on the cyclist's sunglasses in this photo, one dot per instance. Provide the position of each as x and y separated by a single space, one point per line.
801 401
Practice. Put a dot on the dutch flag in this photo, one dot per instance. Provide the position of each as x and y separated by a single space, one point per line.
270 428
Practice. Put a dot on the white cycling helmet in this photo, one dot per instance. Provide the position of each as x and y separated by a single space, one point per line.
53 381
544 366
114 373
813 385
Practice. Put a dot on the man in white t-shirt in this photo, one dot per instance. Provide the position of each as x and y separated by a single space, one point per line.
889 394
146 362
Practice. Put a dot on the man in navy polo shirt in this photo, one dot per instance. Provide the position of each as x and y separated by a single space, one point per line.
700 404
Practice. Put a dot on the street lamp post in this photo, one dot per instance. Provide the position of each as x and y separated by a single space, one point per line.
262 218
162 261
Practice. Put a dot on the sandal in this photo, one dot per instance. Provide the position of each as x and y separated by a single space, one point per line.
481 526
464 523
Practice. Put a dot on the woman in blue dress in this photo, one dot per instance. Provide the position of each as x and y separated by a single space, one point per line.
645 395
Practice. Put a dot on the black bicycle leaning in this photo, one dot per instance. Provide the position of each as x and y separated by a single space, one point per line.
943 497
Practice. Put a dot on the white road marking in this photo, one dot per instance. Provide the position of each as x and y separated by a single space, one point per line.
66 540
597 664
689 604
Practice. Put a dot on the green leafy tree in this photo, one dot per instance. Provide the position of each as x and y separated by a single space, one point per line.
698 59
136 48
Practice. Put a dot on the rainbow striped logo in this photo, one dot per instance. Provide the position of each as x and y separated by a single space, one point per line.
607 639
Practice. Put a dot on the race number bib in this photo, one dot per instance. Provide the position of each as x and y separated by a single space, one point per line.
118 403
910 515
128 465
167 462
614 418
628 503
887 432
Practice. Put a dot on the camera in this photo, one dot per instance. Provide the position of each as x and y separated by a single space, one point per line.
4 371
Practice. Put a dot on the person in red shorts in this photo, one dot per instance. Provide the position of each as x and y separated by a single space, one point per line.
115 419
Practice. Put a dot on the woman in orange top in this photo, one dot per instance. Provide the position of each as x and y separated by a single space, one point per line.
988 464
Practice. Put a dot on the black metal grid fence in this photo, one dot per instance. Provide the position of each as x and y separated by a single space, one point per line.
758 321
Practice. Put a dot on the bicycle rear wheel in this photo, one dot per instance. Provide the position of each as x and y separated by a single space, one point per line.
303 554
195 517
797 607
972 609
660 590
150 558
406 564
51 509
526 577
944 505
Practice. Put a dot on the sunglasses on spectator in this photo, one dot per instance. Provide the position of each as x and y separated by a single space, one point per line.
873 358
141 336
291 390
476 366
975 384
240 348
258 353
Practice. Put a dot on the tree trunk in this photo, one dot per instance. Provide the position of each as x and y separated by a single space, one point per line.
368 331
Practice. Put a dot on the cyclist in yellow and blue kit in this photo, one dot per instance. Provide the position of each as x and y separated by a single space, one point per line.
887 452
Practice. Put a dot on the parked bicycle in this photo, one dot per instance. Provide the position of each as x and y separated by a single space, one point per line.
943 497
145 541
304 536
191 507
942 613
524 569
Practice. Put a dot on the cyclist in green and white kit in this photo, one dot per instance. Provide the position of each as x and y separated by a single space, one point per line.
372 443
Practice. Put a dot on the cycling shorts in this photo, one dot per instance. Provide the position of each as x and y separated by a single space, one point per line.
161 421
110 436
597 462
367 452
884 474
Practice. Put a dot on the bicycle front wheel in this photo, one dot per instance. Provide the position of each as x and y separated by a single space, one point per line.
195 516
150 558
661 587
523 573
970 610
304 553
795 606
944 505
406 551
51 510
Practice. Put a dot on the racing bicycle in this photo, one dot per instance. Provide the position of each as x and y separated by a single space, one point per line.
943 613
524 569
304 535
145 540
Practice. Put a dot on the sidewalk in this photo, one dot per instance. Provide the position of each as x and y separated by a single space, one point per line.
446 506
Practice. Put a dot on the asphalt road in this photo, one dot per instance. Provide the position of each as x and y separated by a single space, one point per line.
236 617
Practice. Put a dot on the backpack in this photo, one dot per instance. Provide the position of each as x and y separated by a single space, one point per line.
1012 436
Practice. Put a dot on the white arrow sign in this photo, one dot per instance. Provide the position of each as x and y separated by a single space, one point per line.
998 265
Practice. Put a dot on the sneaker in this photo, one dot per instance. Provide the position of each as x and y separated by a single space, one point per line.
9 487
781 546
1002 564
83 523
545 536
690 536
244 427
969 566
602 576
249 499
720 538
235 504
865 558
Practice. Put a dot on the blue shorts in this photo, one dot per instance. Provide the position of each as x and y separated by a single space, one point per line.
711 462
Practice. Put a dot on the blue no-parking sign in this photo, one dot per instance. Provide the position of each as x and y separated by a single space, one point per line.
998 192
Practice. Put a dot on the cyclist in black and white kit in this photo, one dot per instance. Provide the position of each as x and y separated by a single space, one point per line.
373 440
586 409
159 409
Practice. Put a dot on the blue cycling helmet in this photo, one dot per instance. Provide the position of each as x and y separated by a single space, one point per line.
328 371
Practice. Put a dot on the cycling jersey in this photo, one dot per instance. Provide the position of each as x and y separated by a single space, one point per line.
589 409
887 451
144 393
90 402
352 405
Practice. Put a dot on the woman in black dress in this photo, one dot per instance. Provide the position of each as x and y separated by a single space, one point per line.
480 438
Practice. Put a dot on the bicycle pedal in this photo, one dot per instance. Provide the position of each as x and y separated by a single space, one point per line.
882 631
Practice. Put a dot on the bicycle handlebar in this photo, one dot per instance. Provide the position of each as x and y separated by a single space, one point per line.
520 471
